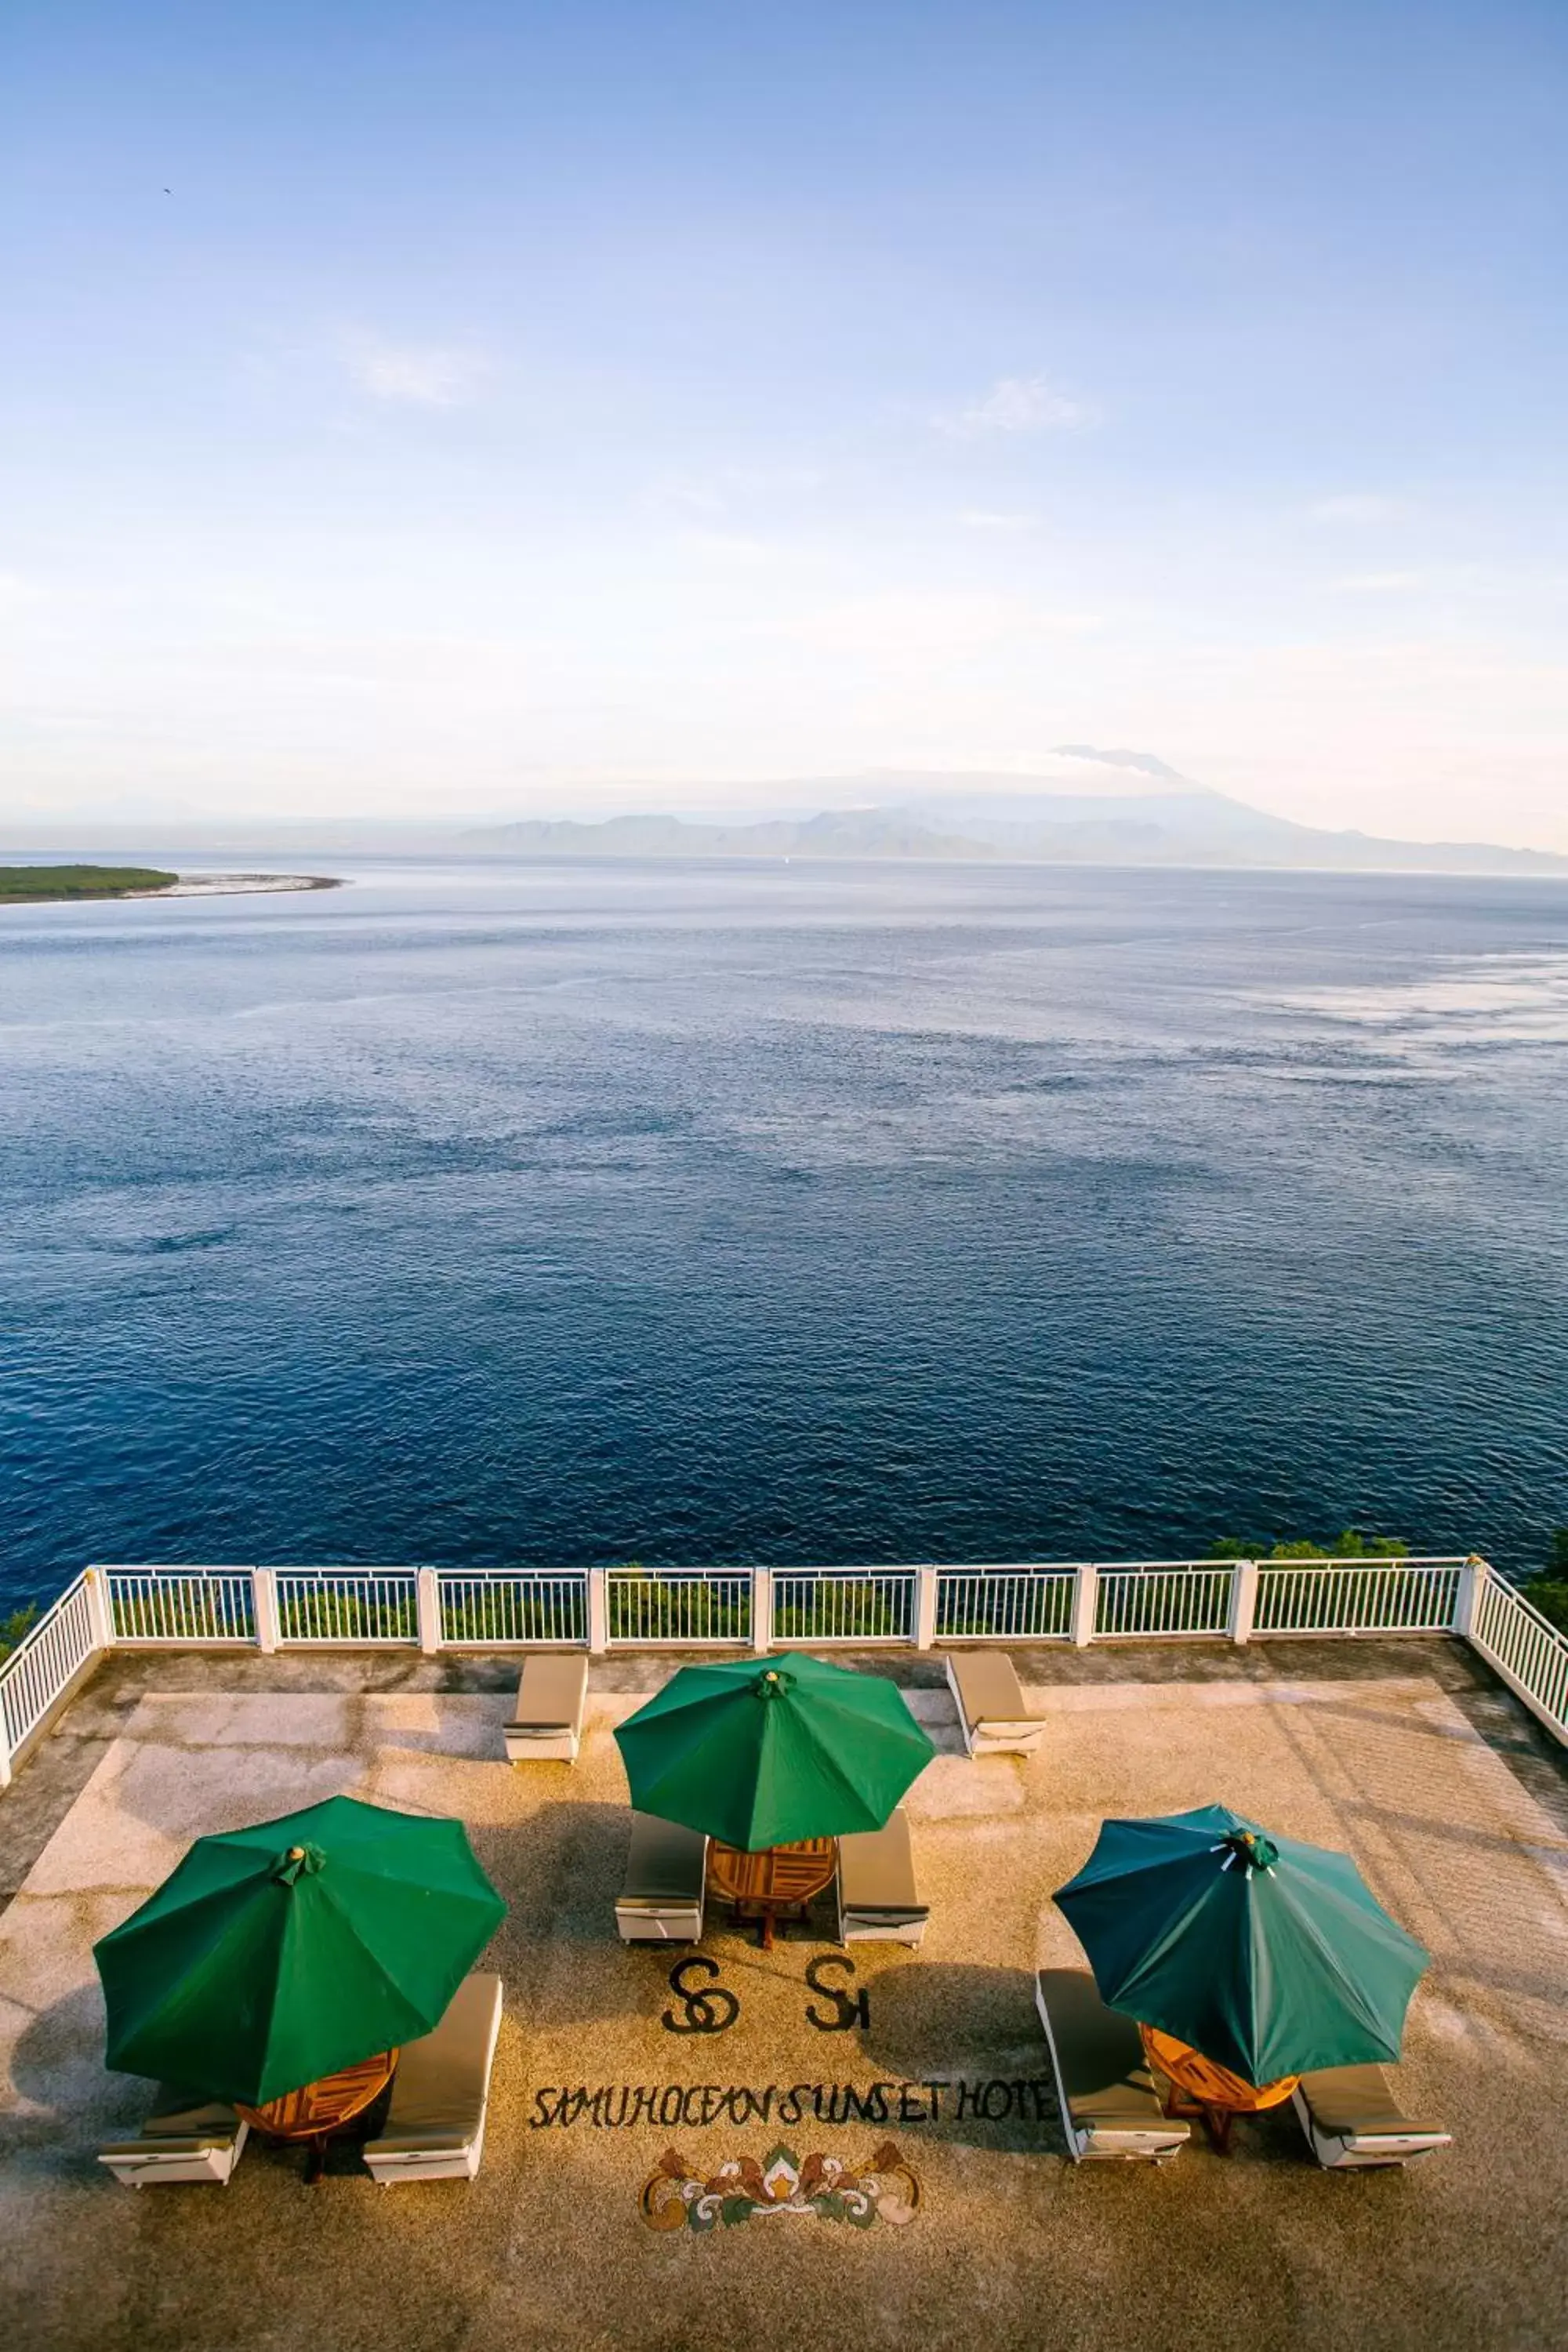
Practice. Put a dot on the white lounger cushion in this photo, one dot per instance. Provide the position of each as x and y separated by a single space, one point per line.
183 2139
989 1697
878 1899
1109 2104
667 1874
547 1715
1351 2119
440 2093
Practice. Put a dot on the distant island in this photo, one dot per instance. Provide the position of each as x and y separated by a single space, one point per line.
41 885
1098 808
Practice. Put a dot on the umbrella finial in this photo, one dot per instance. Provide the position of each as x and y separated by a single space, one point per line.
1250 1848
300 1862
772 1684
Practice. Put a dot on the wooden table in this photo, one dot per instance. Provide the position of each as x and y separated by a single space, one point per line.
319 2109
780 1878
1201 2088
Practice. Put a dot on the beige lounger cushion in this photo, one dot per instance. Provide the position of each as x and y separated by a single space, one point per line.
991 1700
665 1867
442 2082
1352 2119
549 1696
877 1871
184 2139
1348 2101
1102 2076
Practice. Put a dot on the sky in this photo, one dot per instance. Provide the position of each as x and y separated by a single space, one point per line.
424 409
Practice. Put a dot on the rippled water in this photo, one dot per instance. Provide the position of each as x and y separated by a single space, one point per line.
564 1213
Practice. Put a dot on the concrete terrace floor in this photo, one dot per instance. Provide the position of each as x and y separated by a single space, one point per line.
1405 1753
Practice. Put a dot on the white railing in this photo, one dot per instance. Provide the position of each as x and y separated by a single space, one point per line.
341 1608
1004 1605
180 1607
632 1607
1356 1596
1164 1600
495 1609
1525 1649
823 1605
686 1607
43 1666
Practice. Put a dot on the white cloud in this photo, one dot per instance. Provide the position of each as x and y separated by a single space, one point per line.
993 519
419 375
1358 507
1015 404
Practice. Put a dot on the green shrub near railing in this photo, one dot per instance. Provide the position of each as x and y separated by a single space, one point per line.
16 1628
508 1615
333 1615
865 1612
650 1604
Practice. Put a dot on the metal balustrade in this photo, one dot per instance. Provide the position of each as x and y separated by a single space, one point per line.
44 1664
1356 1596
180 1607
632 1607
1004 1605
686 1609
823 1605
1164 1600
1525 1648
496 1609
347 1607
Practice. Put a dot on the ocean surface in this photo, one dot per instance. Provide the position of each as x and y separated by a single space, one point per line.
560 1213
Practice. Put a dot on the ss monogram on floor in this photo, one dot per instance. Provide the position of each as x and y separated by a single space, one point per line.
710 2008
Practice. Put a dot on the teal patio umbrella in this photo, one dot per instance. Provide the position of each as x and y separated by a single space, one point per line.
765 1751
1269 1957
275 1955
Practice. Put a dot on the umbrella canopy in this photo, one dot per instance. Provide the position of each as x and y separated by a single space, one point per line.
1271 1956
275 1955
766 1750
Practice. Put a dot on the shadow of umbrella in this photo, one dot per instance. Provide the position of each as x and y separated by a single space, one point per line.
972 2030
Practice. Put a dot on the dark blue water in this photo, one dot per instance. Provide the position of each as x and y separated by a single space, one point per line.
789 1212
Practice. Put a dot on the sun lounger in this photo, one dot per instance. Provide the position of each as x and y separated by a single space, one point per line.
1110 2107
878 1901
184 2139
436 2122
990 1702
666 1871
547 1715
1351 2118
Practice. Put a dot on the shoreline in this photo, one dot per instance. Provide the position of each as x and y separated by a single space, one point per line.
185 886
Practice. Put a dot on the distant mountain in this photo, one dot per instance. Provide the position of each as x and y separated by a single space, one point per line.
1099 808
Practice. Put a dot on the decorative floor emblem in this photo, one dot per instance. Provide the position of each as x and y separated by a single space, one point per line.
883 2188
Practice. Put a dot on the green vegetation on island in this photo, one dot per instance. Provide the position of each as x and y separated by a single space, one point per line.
23 883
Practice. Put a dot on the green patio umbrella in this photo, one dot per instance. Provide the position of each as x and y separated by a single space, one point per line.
1269 1957
764 1751
273 1956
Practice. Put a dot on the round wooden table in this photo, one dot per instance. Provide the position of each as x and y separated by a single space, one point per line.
317 2110
1200 2088
780 1878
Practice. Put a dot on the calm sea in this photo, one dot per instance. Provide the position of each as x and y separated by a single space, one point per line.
493 1214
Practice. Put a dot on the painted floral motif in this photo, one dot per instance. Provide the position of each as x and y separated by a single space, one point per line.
883 2188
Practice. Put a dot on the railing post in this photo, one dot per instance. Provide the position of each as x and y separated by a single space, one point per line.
5 1753
1466 1598
100 1610
264 1607
1243 1600
427 1609
761 1609
925 1607
598 1611
1085 1603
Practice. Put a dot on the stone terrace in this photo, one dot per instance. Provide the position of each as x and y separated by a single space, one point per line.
1406 1753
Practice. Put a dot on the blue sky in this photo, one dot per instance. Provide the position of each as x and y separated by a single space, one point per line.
521 407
